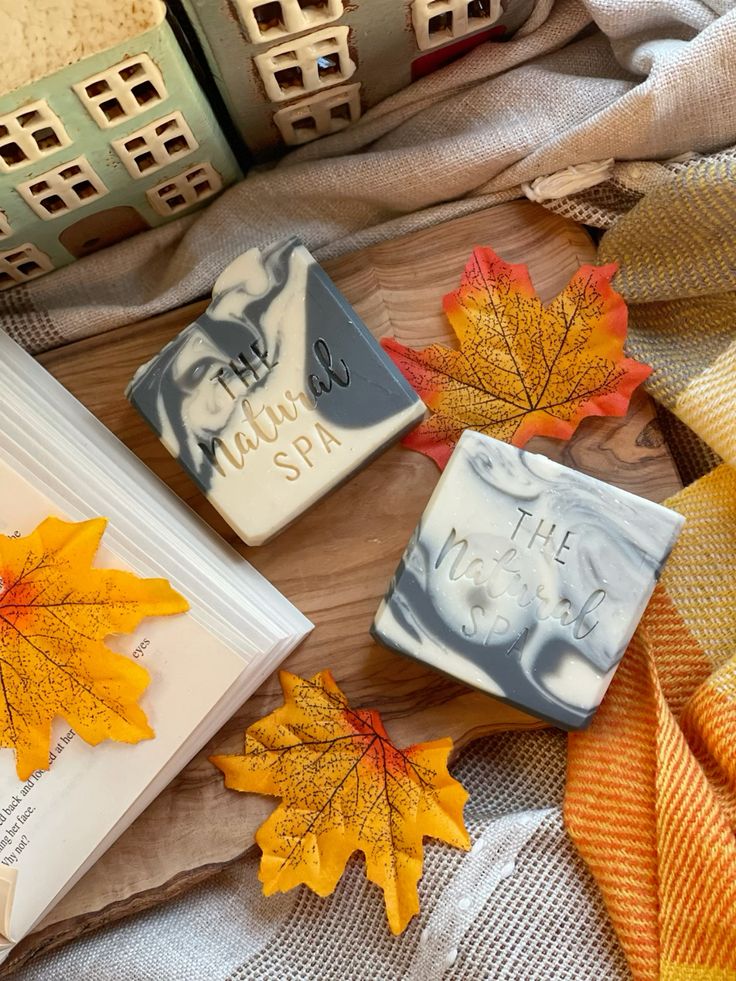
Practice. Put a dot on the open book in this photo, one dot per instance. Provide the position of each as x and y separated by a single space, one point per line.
57 459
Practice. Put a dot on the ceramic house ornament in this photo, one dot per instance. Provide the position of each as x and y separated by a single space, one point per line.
292 71
526 579
276 394
105 135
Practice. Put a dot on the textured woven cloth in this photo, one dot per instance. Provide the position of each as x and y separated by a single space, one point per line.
677 254
650 795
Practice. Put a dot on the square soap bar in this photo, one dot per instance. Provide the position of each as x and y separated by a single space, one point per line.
276 394
526 579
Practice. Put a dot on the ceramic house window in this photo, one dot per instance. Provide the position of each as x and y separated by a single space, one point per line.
5 229
126 90
22 263
267 20
176 194
63 189
439 21
324 113
29 134
306 64
155 145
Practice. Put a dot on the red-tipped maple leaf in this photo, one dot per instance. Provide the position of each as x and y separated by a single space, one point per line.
56 610
344 787
523 368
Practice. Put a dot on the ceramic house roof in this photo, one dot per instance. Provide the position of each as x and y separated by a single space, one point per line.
41 37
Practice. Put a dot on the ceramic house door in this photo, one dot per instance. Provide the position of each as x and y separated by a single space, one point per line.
102 228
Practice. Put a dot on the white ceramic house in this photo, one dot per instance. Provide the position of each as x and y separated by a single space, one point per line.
291 71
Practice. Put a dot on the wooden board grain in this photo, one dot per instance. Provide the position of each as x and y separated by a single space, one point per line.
336 561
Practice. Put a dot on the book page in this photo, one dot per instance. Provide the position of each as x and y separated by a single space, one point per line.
52 823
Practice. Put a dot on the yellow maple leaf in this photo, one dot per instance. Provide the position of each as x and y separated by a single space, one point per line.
523 369
55 613
344 787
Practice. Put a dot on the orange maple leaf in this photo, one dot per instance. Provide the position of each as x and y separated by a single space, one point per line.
55 612
523 369
344 787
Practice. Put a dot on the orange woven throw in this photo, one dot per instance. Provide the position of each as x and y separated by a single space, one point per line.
651 789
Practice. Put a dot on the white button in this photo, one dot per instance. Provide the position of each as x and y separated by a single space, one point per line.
478 846
507 870
451 957
464 903
424 937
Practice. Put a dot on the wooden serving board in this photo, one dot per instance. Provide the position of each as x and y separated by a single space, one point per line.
336 561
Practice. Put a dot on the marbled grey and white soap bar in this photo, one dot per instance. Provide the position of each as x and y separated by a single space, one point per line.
276 394
526 579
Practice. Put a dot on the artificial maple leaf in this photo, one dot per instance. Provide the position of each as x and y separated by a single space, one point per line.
344 787
523 369
55 612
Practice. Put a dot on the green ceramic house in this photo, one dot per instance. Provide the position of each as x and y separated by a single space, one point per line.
105 147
